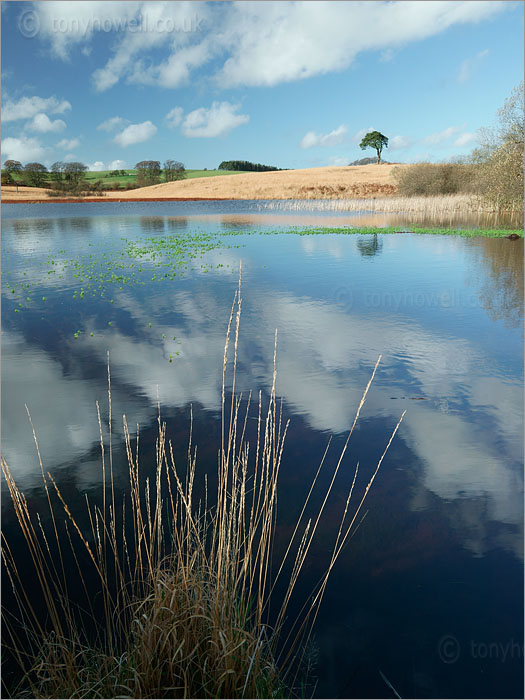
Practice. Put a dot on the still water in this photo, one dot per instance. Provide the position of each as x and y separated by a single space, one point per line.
429 592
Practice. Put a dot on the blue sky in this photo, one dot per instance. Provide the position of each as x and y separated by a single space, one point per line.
290 84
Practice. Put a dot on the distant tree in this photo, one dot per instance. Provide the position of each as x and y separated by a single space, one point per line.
174 170
11 167
246 165
377 140
148 172
74 172
35 173
57 171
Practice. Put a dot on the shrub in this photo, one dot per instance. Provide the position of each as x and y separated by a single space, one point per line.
434 178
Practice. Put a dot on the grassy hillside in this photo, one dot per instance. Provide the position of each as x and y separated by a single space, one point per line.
131 175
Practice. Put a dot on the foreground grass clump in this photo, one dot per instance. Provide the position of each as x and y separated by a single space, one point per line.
180 607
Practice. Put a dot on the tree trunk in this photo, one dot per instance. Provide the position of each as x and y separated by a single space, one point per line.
378 156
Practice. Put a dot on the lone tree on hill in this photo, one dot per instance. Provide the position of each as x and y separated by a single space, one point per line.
377 140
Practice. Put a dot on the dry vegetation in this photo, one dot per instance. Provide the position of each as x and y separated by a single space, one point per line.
183 602
311 183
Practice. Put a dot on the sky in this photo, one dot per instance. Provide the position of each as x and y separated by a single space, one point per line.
288 84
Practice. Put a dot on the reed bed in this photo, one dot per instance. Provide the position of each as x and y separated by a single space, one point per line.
181 608
430 206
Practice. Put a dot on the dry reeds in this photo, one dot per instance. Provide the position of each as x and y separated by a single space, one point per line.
181 608
440 204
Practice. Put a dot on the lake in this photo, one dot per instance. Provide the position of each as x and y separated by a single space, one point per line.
428 594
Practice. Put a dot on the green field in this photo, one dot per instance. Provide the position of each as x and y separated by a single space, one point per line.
131 175
108 180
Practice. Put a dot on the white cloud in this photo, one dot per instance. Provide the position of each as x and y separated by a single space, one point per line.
113 165
398 142
28 107
357 137
338 160
69 158
464 139
174 117
113 123
441 136
136 133
43 124
24 149
333 138
68 24
175 70
278 42
258 43
116 165
218 120
469 65
68 144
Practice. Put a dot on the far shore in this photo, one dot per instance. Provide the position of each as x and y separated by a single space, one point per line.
358 181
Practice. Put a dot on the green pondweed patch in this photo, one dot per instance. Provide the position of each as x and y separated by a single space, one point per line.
181 604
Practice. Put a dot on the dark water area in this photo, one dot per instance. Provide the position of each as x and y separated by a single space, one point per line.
429 592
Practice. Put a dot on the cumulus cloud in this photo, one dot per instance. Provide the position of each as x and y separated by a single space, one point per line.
469 65
398 142
117 165
28 107
311 138
68 144
260 43
23 149
218 120
464 139
441 136
174 117
43 124
273 43
112 124
136 133
97 165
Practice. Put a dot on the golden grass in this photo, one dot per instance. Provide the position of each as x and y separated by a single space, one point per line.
183 607
308 183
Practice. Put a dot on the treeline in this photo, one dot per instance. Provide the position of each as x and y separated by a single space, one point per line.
246 165
71 178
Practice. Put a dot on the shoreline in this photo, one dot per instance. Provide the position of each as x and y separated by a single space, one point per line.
80 200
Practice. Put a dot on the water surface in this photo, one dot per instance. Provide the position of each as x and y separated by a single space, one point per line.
439 556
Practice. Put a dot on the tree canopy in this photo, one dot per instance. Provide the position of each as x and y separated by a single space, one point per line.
36 173
377 140
174 170
246 165
148 172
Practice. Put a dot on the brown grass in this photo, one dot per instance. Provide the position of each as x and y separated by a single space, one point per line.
191 620
310 183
